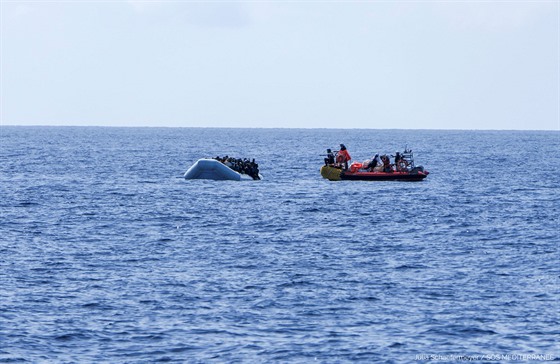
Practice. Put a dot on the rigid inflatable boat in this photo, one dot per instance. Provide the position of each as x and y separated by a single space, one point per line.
213 169
336 174
380 169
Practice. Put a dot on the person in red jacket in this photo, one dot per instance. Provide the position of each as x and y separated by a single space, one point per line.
343 157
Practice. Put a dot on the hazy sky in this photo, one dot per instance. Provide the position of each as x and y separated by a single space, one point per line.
334 64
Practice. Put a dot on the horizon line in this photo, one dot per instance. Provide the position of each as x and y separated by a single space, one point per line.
259 127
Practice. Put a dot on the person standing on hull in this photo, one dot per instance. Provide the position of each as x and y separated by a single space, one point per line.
343 157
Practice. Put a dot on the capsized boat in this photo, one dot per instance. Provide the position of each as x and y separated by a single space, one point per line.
216 170
404 170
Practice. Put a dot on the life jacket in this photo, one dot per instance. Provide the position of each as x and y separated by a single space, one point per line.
344 156
355 167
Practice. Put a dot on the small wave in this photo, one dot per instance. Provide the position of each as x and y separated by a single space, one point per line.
406 267
71 337
91 305
27 204
475 331
311 209
453 330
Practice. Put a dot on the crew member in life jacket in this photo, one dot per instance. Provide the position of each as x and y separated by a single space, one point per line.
343 157
398 159
330 158
386 164
401 164
375 161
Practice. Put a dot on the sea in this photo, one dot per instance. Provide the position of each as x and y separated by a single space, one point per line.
108 255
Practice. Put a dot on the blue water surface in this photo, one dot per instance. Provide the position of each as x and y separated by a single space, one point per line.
108 255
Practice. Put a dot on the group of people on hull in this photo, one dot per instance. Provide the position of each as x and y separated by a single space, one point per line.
377 163
243 166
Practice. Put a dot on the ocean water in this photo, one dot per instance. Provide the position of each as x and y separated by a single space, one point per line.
108 255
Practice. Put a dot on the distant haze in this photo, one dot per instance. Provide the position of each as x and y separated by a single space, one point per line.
311 64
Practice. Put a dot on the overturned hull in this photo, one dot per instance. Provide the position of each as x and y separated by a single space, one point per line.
337 174
213 169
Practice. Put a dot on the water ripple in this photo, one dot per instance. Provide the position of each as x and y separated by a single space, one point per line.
106 256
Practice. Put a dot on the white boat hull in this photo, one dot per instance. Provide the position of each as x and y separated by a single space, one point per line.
212 169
